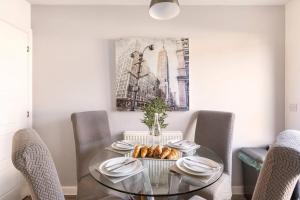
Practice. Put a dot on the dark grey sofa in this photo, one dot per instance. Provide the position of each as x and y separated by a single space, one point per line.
252 160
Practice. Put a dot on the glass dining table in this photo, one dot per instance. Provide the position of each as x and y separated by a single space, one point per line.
160 178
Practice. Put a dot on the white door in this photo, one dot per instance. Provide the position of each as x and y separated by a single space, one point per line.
14 102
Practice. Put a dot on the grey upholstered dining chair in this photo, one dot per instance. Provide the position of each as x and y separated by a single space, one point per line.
214 130
92 134
32 158
281 169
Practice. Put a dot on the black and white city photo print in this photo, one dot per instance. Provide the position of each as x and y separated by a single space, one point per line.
152 67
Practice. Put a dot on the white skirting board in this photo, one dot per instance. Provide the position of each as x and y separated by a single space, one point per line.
69 190
72 190
238 190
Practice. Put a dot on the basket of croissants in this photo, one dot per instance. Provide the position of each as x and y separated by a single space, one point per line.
155 152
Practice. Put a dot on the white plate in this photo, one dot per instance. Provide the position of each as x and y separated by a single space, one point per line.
178 146
122 171
180 165
122 147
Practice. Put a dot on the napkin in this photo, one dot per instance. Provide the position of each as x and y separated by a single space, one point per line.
119 179
191 179
186 146
192 148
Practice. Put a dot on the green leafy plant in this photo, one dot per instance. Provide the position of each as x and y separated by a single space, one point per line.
156 105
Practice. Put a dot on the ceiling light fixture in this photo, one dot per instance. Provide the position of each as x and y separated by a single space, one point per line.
164 9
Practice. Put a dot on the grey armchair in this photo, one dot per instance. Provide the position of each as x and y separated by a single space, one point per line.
32 158
281 168
91 134
214 130
252 159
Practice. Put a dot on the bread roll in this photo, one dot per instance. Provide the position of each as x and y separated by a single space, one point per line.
150 151
165 152
136 151
173 155
157 151
144 151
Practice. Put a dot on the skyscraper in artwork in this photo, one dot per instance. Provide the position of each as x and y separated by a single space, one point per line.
163 73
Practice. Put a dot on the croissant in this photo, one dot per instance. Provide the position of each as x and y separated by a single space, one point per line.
144 151
165 152
136 151
165 148
173 155
157 151
150 151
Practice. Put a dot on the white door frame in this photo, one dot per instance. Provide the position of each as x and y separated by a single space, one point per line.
6 163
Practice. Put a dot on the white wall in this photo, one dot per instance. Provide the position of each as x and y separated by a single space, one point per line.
292 64
236 64
16 12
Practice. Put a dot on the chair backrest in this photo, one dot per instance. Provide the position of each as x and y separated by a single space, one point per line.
214 130
91 133
32 158
281 168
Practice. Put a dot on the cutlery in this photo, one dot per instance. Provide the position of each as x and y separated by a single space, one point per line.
114 168
125 143
125 161
186 144
201 164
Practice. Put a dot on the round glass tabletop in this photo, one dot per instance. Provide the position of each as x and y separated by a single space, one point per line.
159 178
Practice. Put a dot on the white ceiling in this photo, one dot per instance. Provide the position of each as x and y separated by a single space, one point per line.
146 2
